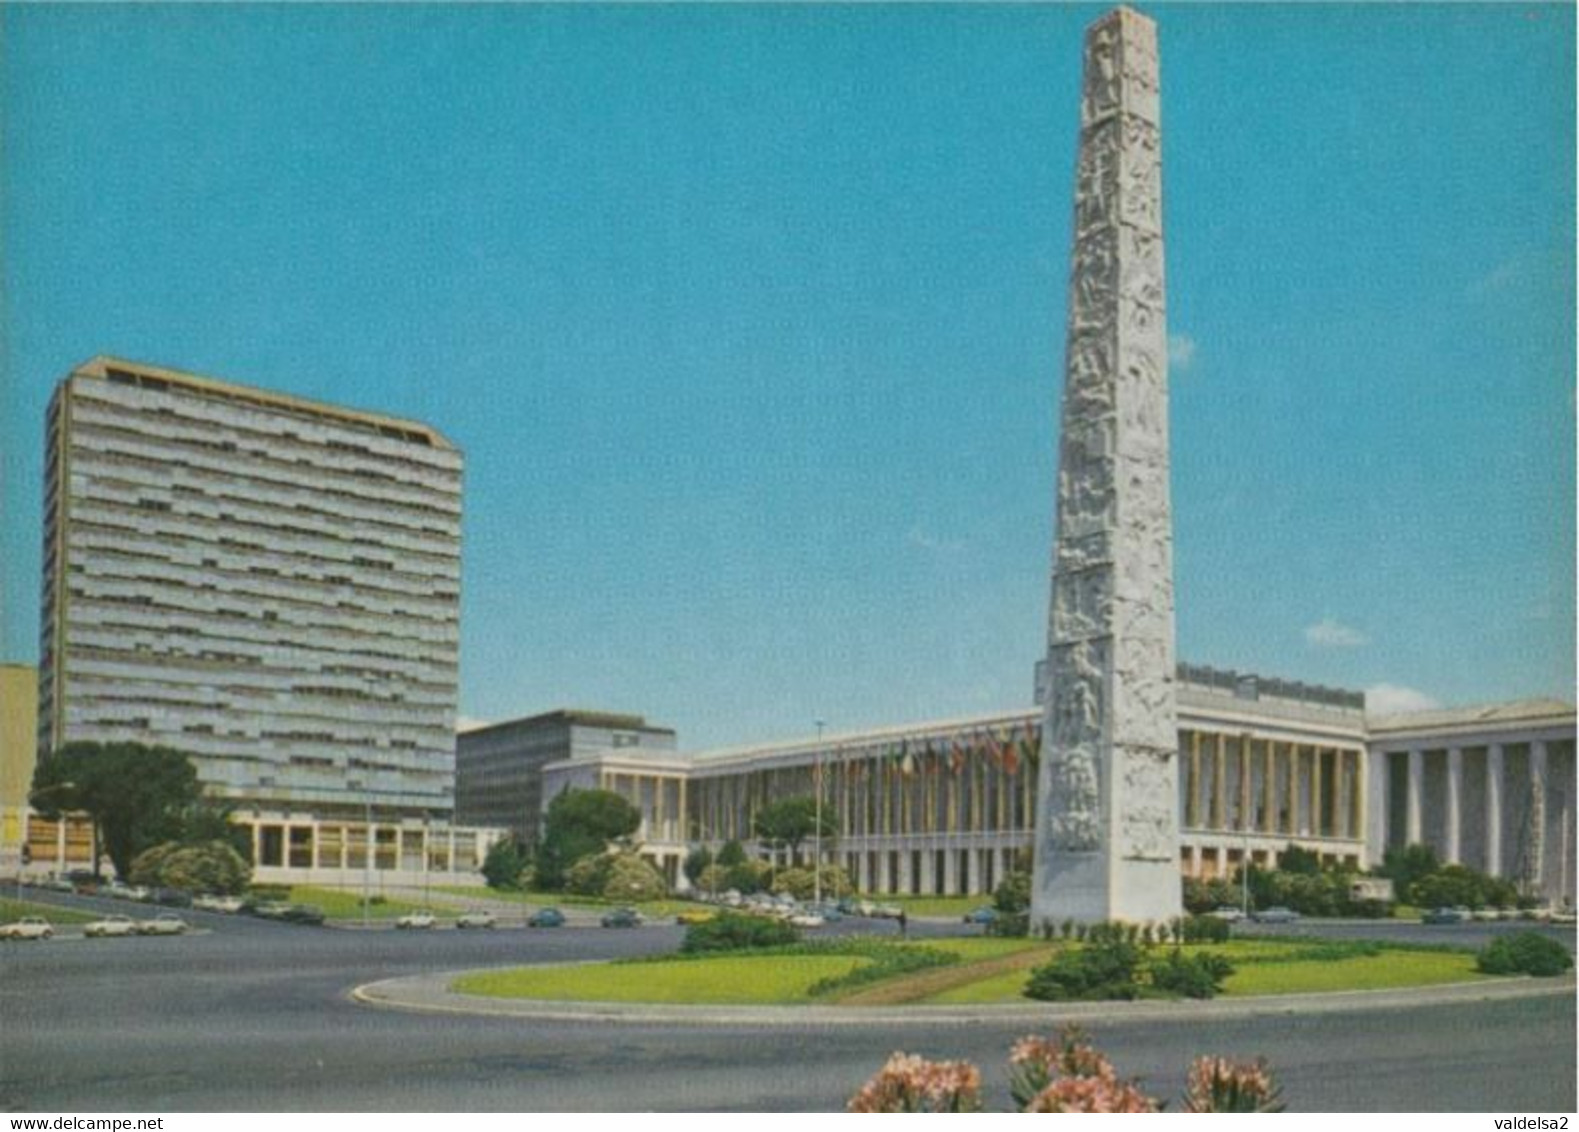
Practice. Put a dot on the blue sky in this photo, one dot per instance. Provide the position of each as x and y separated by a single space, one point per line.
749 320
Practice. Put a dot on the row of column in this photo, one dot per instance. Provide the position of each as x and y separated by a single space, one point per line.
919 870
1527 870
1288 788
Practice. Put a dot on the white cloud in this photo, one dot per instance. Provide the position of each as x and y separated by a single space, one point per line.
1394 699
1181 351
468 723
1330 634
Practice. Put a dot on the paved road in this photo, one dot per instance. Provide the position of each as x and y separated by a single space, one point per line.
254 1016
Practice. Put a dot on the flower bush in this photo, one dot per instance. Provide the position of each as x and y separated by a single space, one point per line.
1062 1074
913 1084
1216 1084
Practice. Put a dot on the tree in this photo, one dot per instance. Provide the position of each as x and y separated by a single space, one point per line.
786 824
578 824
135 795
1407 865
503 866
213 866
732 854
1298 860
697 862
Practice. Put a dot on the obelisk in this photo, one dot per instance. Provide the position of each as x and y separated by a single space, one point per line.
1107 837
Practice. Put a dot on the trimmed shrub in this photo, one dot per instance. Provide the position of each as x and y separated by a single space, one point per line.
732 931
1204 929
1102 969
1192 976
633 878
1013 894
587 876
1524 953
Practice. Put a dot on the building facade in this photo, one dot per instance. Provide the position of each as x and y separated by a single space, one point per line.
498 768
268 583
942 808
1488 787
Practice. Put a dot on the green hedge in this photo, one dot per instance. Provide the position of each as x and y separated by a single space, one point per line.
1524 953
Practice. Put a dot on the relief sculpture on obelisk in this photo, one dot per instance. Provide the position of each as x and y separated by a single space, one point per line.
1107 825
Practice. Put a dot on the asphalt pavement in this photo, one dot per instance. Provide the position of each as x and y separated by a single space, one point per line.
256 1016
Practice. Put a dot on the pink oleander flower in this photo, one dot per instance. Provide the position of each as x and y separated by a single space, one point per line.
1090 1094
1036 1062
908 1083
1216 1084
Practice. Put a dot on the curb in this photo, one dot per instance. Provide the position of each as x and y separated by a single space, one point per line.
430 994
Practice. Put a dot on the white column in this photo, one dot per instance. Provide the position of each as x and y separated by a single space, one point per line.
1537 875
951 873
1412 813
1494 809
1455 783
1195 860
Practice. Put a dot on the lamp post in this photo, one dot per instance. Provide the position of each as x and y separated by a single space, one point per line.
367 844
816 833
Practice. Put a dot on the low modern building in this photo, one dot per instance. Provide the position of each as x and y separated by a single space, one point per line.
942 807
498 768
1489 787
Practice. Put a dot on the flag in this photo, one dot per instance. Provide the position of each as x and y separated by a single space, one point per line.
1033 746
1011 754
957 756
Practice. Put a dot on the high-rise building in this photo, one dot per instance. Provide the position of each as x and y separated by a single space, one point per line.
268 583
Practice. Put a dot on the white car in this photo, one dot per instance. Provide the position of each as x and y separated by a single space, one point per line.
110 925
475 920
807 920
1228 913
28 927
165 923
211 903
422 919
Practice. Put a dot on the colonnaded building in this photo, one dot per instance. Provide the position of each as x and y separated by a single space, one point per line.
271 584
942 807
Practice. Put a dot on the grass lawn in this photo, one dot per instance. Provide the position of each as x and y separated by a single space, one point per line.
346 904
1277 967
15 909
950 907
730 979
1373 972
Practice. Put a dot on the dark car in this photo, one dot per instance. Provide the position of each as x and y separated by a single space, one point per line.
1275 915
173 897
623 918
1447 916
546 918
303 914
986 914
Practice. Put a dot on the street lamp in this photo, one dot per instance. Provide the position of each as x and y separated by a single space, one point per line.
816 833
367 844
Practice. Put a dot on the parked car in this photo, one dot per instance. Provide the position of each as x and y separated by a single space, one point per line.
1563 916
1447 916
1228 913
165 923
546 918
886 911
1275 915
623 918
829 912
986 914
28 927
228 904
1484 914
110 926
55 884
807 920
309 914
476 920
421 918
270 909
173 897
695 916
